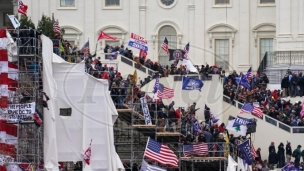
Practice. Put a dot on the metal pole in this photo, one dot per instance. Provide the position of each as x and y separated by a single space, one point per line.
132 118
192 165
290 58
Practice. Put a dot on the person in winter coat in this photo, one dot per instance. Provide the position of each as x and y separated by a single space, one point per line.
288 151
285 85
281 155
272 159
259 158
298 156
271 147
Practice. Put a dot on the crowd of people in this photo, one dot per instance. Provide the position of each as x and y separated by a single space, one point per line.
272 103
281 156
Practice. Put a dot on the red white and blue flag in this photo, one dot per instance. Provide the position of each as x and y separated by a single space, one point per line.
22 8
165 46
200 149
56 27
160 153
87 155
186 50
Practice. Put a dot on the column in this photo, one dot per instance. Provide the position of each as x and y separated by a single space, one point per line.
241 60
283 17
301 18
191 30
133 17
89 24
142 18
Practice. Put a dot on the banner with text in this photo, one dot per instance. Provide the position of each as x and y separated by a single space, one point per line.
21 112
138 42
145 111
245 149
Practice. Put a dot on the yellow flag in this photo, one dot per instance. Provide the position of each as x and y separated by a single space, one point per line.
227 145
135 77
32 168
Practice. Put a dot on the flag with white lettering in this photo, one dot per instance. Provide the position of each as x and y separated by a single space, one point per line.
242 121
245 149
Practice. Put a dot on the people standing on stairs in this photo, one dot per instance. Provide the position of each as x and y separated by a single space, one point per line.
281 155
300 84
285 85
294 85
271 147
288 151
272 159
297 156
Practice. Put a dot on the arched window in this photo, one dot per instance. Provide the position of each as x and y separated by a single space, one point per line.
170 33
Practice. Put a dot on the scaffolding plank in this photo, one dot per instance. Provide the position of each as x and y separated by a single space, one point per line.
144 126
168 133
202 158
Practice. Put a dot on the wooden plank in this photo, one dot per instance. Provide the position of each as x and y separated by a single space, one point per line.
144 126
168 133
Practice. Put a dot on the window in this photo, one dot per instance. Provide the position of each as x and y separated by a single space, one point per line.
218 2
267 1
170 33
222 53
266 45
112 2
65 112
67 3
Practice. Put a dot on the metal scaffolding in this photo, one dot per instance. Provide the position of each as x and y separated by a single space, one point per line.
28 89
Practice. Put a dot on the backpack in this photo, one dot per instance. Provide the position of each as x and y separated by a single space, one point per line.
294 153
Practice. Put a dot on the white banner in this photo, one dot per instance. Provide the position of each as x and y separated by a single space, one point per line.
20 112
146 112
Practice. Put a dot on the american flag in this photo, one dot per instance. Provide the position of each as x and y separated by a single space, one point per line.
253 152
249 74
257 112
164 92
56 27
247 108
200 149
86 49
165 46
186 50
160 153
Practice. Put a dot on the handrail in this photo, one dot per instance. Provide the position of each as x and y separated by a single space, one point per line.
266 118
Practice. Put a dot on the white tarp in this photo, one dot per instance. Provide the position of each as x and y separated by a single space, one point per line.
92 117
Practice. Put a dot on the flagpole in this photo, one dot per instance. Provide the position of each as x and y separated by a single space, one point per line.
146 148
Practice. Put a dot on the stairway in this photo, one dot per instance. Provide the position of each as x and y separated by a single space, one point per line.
268 129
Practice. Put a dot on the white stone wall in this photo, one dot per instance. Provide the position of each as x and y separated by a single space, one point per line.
199 22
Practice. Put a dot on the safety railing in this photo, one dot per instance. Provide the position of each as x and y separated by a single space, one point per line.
268 119
286 58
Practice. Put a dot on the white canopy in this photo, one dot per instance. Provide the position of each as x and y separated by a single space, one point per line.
92 115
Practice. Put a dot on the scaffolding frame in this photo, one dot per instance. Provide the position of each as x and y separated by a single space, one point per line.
29 146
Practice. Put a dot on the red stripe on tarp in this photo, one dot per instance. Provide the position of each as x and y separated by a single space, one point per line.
12 65
3 55
2 33
3 102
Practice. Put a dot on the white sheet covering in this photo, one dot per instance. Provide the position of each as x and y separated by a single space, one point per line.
93 115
